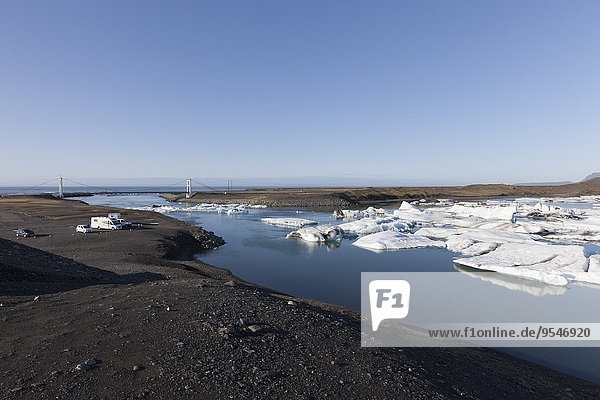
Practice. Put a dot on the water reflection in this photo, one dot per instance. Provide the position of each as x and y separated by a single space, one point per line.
534 288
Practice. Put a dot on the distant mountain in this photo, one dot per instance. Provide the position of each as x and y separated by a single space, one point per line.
591 176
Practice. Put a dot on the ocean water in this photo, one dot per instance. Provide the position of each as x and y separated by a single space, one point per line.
261 254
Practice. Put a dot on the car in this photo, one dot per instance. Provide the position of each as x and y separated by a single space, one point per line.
83 228
124 223
25 232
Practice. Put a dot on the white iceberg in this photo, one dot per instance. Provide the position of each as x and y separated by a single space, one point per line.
367 226
534 288
289 222
391 240
549 263
348 214
204 207
321 233
506 213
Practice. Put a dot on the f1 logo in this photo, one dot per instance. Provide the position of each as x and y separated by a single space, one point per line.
389 299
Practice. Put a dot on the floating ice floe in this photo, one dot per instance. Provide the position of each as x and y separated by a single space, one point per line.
347 214
506 213
391 240
204 207
367 226
534 288
549 263
290 222
321 233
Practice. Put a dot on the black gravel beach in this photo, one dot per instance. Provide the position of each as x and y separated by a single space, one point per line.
132 314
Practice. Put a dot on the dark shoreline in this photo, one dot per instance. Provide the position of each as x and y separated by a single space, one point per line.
331 198
306 349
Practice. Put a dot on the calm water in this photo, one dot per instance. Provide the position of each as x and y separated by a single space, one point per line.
261 254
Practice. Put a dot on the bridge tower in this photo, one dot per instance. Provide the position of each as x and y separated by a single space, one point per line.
188 189
60 187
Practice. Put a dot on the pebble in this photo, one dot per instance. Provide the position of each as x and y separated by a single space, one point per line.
91 361
230 283
137 368
291 303
255 328
83 367
226 330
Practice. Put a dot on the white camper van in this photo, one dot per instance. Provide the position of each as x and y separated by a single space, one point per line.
105 223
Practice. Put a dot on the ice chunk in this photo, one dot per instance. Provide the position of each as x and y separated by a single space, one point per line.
534 288
594 265
476 235
291 222
506 213
372 212
406 206
347 214
391 240
321 233
549 263
204 207
367 226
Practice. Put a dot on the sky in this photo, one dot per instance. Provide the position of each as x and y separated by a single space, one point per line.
406 92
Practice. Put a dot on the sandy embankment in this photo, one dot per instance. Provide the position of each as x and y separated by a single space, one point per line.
159 324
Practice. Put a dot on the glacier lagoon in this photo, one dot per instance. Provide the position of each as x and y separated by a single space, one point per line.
329 270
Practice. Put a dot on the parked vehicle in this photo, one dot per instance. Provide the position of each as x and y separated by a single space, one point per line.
124 223
83 228
105 223
114 216
25 232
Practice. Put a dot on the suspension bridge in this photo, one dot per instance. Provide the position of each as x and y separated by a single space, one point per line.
70 188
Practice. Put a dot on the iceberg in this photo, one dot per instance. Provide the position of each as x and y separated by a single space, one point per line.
367 226
534 288
204 207
347 214
289 222
391 240
594 263
549 263
506 213
321 233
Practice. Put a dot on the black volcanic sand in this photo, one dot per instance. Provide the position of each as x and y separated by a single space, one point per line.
331 198
158 324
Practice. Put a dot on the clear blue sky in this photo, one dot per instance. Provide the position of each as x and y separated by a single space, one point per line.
412 91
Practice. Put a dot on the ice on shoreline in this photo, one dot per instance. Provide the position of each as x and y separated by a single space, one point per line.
391 240
289 222
320 233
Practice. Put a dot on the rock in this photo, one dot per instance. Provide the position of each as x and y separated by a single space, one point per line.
227 330
137 368
36 298
230 283
91 361
83 367
255 328
291 303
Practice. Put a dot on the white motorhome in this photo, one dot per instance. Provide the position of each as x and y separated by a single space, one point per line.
105 223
